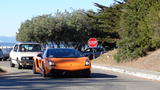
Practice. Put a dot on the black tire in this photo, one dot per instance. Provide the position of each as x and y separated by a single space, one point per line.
9 59
19 66
34 69
44 71
11 64
90 57
3 59
88 74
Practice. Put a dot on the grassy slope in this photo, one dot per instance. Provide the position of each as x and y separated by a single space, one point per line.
149 62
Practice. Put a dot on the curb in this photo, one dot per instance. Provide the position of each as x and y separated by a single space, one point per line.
129 72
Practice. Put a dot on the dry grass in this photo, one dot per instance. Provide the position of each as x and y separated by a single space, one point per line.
149 62
106 58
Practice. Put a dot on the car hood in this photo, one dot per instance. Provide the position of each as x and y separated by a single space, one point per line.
67 61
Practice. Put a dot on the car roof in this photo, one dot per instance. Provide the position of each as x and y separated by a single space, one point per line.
61 49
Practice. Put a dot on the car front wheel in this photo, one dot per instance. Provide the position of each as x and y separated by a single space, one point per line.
44 71
19 66
34 69
11 64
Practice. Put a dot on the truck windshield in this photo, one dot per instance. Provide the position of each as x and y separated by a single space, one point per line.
30 48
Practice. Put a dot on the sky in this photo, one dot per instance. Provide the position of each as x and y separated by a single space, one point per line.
14 12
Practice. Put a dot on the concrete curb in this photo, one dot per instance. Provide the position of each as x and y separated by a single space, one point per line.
129 72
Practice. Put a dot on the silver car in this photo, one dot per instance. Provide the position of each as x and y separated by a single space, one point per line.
1 54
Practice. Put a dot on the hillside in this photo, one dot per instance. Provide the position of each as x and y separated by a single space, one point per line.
149 62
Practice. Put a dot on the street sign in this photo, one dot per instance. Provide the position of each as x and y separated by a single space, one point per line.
92 42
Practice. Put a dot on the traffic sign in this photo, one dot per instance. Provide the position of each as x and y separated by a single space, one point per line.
92 42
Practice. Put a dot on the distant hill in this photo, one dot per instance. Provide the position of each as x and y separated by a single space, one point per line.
8 39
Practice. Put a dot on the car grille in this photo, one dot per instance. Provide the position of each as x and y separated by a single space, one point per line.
30 58
27 58
64 72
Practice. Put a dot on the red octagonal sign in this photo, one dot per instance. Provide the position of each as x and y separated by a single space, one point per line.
92 42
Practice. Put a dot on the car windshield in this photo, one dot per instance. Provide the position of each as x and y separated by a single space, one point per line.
30 48
63 53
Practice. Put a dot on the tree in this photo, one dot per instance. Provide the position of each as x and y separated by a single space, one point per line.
107 21
36 30
71 29
137 36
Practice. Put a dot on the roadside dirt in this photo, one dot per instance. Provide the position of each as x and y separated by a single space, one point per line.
149 62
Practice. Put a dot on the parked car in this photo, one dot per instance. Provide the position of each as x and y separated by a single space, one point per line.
89 52
6 52
22 54
61 61
1 54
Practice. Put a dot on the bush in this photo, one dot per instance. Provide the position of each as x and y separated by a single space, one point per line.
138 29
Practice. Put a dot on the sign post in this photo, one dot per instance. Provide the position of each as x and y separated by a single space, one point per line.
92 43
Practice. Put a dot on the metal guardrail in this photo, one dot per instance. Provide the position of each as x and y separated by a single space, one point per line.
4 47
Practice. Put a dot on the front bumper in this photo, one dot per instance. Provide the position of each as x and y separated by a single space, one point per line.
26 62
84 72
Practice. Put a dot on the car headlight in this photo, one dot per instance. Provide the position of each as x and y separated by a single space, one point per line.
87 63
51 63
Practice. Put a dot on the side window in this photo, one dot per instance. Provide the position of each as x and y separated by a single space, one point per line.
15 48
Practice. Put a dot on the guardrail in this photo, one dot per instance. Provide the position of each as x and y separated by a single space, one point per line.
4 47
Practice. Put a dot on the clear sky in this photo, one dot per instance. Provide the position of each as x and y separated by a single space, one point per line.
14 12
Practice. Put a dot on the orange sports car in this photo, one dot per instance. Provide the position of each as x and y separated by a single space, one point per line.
61 61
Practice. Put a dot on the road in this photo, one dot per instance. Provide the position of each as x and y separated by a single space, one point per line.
100 80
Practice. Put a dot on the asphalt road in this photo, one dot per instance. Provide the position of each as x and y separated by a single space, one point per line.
100 80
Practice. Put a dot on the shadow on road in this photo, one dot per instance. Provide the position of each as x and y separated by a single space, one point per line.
100 75
31 81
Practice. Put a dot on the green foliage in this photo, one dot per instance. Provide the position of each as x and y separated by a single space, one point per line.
35 30
131 25
107 21
71 29
138 29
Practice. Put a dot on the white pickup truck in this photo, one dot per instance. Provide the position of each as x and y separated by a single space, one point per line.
22 54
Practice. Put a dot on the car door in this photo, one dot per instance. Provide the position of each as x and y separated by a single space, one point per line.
13 53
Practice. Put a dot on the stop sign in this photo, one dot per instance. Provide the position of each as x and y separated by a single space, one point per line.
92 42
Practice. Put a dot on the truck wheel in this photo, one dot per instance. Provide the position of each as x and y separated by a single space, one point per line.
11 64
34 69
19 66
